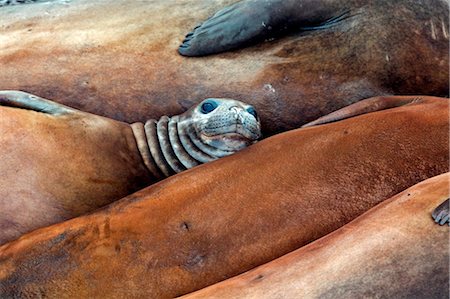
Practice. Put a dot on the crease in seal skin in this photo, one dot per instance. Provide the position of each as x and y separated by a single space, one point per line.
247 22
213 129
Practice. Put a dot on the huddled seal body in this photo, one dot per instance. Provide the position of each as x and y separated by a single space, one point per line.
228 216
85 53
58 162
393 251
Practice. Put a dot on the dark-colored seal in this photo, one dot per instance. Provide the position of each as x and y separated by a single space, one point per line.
213 222
392 251
92 56
58 162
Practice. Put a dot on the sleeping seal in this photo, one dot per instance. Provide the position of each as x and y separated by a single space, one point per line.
228 216
92 56
392 251
58 162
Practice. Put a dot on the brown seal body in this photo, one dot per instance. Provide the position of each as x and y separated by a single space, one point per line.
92 56
55 167
58 163
231 215
393 251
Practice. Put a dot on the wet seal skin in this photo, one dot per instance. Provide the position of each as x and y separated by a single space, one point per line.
391 251
58 162
92 56
226 217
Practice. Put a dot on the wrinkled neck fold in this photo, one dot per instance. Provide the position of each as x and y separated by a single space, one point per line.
171 145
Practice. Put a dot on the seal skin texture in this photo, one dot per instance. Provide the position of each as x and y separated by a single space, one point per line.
392 251
223 218
58 163
92 56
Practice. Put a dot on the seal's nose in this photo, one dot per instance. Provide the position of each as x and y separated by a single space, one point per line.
234 108
238 114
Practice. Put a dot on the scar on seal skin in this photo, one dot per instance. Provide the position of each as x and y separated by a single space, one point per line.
441 213
250 21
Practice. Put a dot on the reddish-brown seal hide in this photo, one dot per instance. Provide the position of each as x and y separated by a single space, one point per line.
229 216
393 251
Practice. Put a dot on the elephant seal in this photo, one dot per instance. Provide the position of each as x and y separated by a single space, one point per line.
392 251
92 56
58 162
228 216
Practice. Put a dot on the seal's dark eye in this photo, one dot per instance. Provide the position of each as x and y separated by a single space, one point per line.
208 107
252 111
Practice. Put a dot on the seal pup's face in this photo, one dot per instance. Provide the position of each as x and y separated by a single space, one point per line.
225 124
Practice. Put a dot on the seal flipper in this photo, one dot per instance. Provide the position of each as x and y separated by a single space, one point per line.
24 100
250 21
441 213
363 107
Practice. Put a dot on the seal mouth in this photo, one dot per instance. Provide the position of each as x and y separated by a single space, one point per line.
230 142
235 131
232 136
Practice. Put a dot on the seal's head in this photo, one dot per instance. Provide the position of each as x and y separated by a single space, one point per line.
224 124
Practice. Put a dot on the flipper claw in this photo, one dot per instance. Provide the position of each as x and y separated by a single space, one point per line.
441 213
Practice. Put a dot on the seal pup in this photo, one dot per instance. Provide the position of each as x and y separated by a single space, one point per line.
58 162
91 56
223 218
392 251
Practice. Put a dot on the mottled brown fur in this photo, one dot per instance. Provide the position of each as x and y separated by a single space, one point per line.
221 219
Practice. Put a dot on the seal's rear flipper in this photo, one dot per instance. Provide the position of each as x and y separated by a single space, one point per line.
363 107
24 100
441 213
251 21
